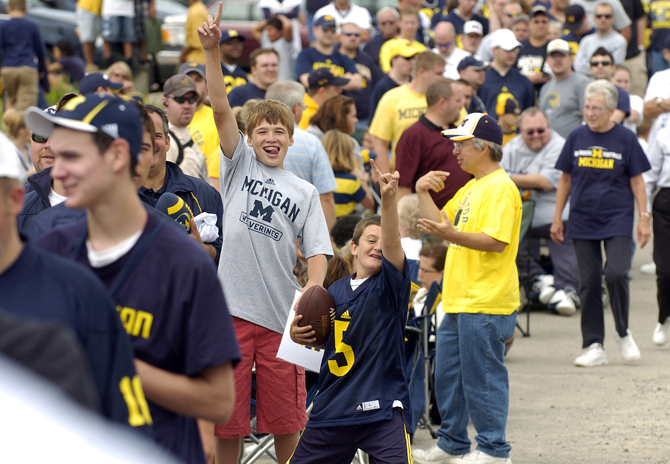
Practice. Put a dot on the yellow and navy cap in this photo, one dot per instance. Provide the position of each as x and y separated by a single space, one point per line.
322 77
229 34
476 125
325 21
193 66
92 81
110 115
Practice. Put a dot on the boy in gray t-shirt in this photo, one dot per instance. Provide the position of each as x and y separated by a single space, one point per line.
266 209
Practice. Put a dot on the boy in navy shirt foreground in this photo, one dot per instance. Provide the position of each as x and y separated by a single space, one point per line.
363 393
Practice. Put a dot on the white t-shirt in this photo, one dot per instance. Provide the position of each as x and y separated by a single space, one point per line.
636 104
118 8
285 50
451 69
659 86
55 199
356 14
108 256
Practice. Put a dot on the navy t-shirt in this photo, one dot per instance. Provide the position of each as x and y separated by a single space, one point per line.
366 67
623 101
173 309
499 87
40 285
457 21
240 95
601 165
383 86
233 79
310 59
74 67
363 366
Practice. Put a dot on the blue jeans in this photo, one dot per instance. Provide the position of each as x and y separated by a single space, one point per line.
658 62
471 381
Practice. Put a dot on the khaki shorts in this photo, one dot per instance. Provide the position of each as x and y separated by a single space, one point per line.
21 85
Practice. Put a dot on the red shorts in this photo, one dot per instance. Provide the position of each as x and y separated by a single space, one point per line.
280 386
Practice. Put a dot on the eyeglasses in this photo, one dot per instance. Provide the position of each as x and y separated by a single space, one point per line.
460 145
387 23
349 34
531 132
444 45
329 28
38 138
428 271
606 16
600 63
595 109
182 100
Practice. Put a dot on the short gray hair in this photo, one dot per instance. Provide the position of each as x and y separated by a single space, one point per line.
387 9
495 148
604 88
287 92
532 111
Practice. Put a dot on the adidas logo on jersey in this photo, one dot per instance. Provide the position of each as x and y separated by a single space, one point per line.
270 181
346 315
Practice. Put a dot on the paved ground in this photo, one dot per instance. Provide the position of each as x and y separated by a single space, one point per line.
619 413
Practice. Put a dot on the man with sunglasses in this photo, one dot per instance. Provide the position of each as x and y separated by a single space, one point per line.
445 45
180 99
350 41
605 37
529 160
322 54
562 98
602 67
533 51
387 22
344 11
622 22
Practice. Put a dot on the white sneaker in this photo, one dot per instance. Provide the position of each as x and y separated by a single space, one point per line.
433 455
478 457
562 303
629 349
648 269
593 356
662 332
544 287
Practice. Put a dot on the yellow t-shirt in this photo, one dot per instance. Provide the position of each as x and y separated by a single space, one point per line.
197 14
206 137
389 47
311 107
398 109
94 6
484 281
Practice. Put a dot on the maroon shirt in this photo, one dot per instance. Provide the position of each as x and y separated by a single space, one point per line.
422 149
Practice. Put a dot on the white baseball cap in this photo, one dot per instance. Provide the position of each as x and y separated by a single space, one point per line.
10 165
505 39
473 27
558 45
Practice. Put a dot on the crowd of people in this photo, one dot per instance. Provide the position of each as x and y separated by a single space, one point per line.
444 121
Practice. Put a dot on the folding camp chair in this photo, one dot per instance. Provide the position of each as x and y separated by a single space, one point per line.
526 257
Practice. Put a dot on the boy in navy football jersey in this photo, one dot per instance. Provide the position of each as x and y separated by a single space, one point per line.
362 383
163 282
266 208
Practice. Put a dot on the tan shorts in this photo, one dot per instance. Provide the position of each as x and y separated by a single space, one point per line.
21 85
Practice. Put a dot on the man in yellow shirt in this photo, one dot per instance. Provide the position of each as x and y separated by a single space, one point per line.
322 85
197 14
480 295
401 107
202 127
408 24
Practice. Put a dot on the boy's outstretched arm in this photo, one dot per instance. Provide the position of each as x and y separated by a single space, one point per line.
209 35
391 246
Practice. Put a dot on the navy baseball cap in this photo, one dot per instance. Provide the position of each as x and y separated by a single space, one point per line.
91 81
574 16
538 9
113 116
193 66
323 77
325 21
476 125
230 34
472 60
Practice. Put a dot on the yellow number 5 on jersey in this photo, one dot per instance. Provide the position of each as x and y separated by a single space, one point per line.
340 347
138 409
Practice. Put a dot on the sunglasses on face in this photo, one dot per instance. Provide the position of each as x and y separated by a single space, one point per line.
443 45
349 34
38 138
602 15
387 23
532 131
182 100
329 28
600 63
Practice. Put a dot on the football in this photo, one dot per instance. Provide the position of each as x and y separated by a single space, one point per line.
317 309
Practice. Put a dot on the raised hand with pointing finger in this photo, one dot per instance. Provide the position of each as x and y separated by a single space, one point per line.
209 33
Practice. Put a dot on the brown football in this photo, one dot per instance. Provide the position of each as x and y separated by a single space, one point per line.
317 309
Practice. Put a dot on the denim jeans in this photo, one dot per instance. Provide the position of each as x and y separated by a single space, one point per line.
658 62
471 381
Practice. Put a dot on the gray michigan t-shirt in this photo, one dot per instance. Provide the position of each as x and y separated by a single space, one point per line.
563 101
265 210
